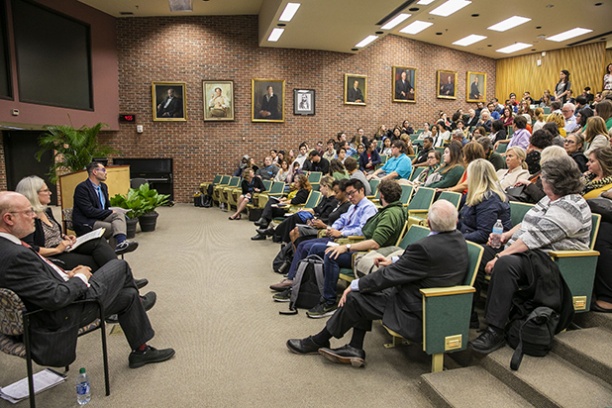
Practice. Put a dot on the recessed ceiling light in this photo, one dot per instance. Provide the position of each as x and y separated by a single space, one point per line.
281 25
395 21
415 27
289 11
354 49
514 47
509 23
366 41
413 9
425 2
275 34
469 40
450 7
180 5
438 33
575 32
475 15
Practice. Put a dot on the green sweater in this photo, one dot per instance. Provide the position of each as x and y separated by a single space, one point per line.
386 225
449 179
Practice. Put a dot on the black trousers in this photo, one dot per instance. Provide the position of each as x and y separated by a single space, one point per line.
358 311
94 254
113 284
285 227
603 277
270 212
508 275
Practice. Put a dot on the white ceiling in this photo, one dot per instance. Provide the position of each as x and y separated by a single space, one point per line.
338 25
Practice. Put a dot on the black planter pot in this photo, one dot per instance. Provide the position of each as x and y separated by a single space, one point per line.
132 223
148 221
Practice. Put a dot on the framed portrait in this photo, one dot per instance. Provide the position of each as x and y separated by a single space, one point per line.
169 101
304 102
447 84
404 84
355 89
476 86
267 100
218 97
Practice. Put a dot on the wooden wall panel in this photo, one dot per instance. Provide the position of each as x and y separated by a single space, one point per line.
585 63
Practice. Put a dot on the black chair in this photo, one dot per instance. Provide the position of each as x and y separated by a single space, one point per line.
137 182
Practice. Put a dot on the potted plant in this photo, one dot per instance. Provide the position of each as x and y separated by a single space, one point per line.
135 206
152 199
73 149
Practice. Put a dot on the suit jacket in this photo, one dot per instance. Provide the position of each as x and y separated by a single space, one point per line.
420 266
355 95
87 207
403 87
54 330
174 108
270 106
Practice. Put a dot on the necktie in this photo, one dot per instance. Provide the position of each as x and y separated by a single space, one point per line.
101 196
62 273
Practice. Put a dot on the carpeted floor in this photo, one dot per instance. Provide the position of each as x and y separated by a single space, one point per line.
215 308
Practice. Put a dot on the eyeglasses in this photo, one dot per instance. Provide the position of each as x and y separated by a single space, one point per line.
350 193
46 190
569 141
102 169
29 212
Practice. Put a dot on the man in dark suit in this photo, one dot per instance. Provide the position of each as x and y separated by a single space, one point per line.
392 293
269 105
403 89
91 210
355 94
43 285
474 91
448 88
170 107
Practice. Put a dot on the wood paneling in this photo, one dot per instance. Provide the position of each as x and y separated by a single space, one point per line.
585 63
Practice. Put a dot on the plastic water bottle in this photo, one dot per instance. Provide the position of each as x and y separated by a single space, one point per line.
497 232
83 388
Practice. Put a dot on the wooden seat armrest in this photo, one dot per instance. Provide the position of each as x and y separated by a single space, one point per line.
572 254
414 212
451 290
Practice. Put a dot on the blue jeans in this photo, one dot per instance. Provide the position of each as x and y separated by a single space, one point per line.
332 272
302 251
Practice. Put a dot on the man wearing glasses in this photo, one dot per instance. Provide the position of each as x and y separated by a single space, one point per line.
91 210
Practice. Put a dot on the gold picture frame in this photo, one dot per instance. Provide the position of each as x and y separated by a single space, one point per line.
169 101
476 87
266 106
218 98
355 89
403 89
446 82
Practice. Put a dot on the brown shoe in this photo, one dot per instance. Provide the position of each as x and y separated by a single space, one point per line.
282 285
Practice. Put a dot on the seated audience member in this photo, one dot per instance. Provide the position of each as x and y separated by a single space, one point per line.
573 145
555 107
596 135
381 230
451 171
392 293
337 169
484 205
520 137
274 156
599 177
330 153
581 118
557 139
471 120
407 127
507 118
340 156
604 110
426 132
398 166
421 159
533 192
557 119
91 210
293 174
485 120
443 135
433 164
303 154
602 288
471 152
268 172
316 163
459 136
567 111
495 115
559 221
409 150
283 171
305 215
381 133
387 149
479 132
516 168
253 165
490 154
369 159
540 119
538 142
42 285
277 208
354 173
349 223
244 162
250 185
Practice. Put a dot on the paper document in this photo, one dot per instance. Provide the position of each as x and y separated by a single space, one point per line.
95 234
43 380
119 210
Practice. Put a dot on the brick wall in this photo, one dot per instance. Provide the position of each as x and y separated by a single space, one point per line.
191 49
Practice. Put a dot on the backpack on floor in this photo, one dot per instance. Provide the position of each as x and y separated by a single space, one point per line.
307 288
282 260
532 335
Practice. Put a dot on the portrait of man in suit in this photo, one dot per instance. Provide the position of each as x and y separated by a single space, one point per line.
168 101
268 96
476 84
355 89
446 84
403 84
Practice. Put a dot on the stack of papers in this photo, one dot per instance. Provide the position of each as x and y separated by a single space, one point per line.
43 380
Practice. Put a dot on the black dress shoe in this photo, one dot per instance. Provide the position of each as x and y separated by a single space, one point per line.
260 221
258 237
346 354
125 247
148 300
490 340
150 355
266 231
141 283
304 346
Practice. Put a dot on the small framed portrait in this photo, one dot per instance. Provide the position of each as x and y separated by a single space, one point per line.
218 100
304 102
403 84
169 101
355 89
267 100
476 86
447 84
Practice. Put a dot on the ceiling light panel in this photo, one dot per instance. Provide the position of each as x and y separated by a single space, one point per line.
469 40
289 11
450 7
425 2
400 18
569 34
415 27
276 34
514 48
509 23
366 41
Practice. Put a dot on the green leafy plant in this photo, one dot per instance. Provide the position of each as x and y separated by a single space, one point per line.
140 201
151 197
73 149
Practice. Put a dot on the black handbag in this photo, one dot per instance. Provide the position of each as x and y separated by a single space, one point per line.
602 206
518 193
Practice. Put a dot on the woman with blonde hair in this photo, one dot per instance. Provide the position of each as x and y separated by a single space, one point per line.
485 203
596 135
516 168
558 120
540 119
